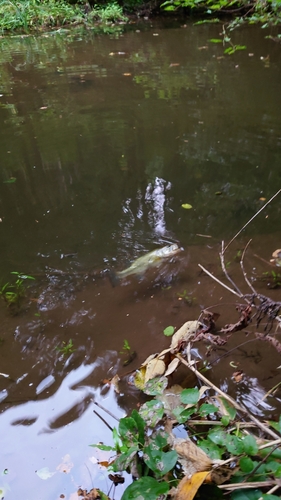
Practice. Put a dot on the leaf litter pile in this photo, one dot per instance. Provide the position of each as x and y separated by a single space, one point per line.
198 442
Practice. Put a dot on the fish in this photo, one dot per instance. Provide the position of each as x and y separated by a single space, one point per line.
151 259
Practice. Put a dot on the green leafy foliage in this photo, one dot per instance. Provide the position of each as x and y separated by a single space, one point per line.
66 347
13 293
190 396
32 14
146 488
266 12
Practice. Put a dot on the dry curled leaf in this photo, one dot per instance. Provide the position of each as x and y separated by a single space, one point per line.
172 367
185 333
191 457
93 494
244 320
155 368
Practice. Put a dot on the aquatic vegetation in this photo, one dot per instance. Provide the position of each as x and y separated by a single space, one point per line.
186 297
13 293
66 347
131 355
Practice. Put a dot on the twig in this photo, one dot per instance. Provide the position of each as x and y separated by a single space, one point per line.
263 260
270 391
106 411
238 486
104 421
252 218
243 271
220 282
252 473
262 426
270 443
273 489
225 271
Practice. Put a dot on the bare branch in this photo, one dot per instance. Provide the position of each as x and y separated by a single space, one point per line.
225 271
252 218
220 282
243 270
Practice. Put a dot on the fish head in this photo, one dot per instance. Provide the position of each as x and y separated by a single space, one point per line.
171 250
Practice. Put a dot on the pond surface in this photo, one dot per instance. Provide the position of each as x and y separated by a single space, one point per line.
103 138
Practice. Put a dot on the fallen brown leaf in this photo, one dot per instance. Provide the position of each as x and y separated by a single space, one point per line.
188 487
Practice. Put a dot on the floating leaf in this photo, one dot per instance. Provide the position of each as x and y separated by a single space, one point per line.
215 40
169 331
45 473
10 181
187 206
146 488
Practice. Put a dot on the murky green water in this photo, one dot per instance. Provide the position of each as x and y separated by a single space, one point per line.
102 139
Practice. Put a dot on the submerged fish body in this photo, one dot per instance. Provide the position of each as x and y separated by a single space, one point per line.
151 259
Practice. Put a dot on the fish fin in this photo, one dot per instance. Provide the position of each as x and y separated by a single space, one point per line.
113 278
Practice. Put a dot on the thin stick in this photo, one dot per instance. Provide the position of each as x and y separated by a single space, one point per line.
237 486
243 271
220 282
270 443
252 473
106 411
273 489
252 218
263 427
225 271
104 421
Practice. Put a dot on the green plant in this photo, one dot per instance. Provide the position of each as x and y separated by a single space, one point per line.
13 293
126 347
186 297
145 445
66 348
33 14
264 11
273 279
112 12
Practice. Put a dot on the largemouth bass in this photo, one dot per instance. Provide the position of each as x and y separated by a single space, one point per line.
151 259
